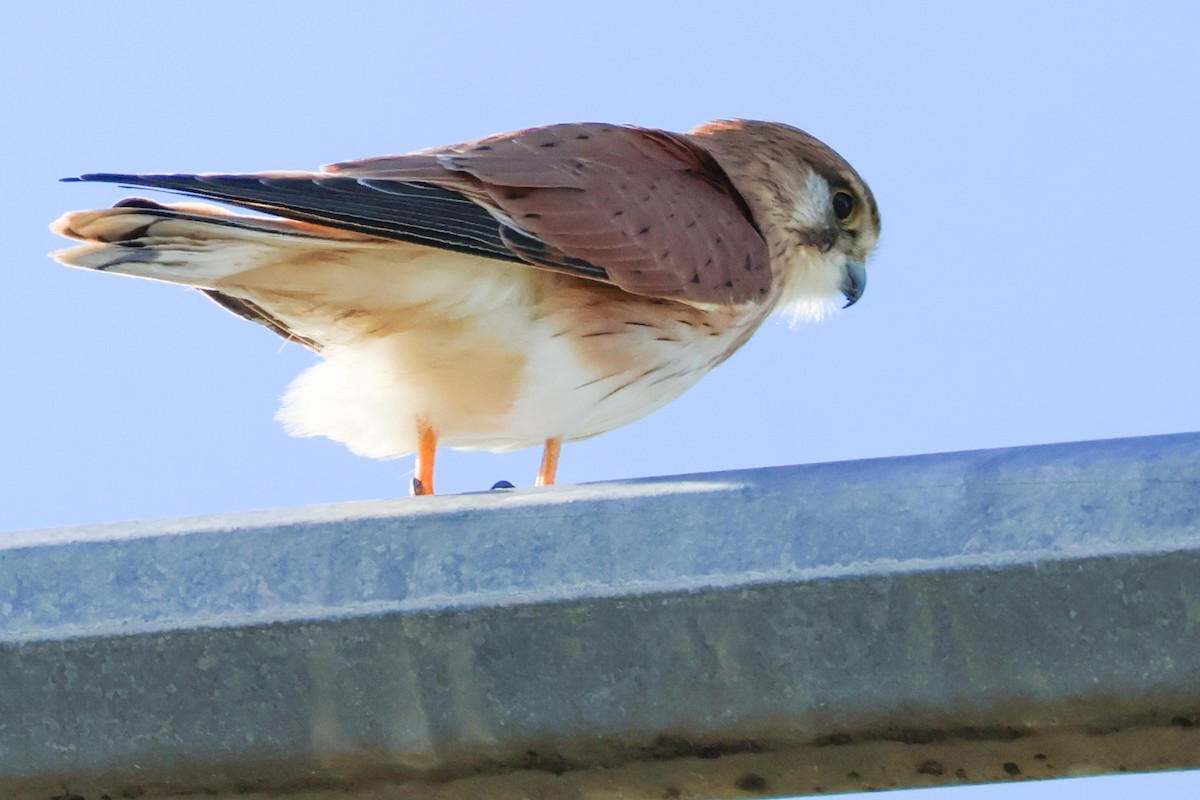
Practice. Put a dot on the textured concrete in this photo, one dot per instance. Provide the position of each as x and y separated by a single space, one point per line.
636 635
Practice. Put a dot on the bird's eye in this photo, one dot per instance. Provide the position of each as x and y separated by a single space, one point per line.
843 205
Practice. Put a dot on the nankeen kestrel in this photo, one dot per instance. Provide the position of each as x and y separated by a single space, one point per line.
526 289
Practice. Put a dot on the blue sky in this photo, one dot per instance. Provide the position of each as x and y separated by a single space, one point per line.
1036 279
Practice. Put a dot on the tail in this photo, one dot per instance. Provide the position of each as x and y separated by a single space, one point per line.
190 243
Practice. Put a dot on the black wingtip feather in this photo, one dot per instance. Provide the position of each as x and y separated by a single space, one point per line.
422 213
101 177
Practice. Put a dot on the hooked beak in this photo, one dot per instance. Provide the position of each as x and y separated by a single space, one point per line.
854 283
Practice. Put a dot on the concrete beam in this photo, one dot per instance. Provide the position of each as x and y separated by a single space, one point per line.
994 615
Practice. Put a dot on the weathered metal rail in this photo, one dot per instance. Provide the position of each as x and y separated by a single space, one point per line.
994 615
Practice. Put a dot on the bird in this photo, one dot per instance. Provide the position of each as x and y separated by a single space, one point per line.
525 289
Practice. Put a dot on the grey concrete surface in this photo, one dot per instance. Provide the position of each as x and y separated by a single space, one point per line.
635 634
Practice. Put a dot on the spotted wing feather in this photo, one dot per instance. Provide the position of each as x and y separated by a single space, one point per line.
652 208
648 211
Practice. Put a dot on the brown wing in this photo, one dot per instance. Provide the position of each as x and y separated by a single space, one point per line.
647 211
654 210
408 211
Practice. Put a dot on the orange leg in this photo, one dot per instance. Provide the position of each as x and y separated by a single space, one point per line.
426 447
549 462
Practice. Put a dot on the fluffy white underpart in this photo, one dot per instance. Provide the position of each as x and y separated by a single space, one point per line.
492 355
473 352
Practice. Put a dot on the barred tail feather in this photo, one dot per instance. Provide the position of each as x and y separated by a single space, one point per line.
190 244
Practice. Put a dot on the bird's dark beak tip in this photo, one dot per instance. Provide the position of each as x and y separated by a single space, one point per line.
855 283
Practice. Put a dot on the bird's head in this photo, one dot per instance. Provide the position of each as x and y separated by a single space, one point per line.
817 215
